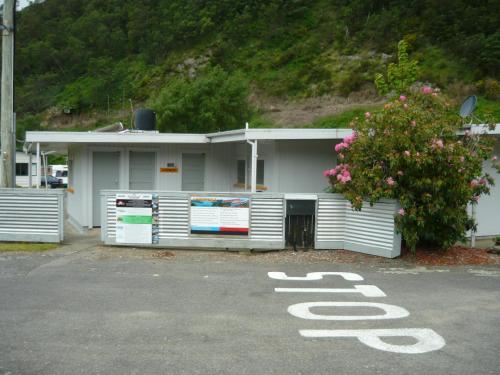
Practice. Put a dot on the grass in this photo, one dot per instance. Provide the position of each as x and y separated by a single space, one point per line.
341 120
487 107
26 246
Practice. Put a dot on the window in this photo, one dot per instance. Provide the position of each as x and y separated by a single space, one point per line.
241 171
260 172
21 169
241 166
33 169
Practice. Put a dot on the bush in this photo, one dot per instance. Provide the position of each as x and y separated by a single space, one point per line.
212 102
410 151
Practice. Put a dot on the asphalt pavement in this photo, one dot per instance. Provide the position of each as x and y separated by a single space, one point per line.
122 311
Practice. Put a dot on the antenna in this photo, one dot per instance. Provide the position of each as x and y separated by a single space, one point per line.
467 108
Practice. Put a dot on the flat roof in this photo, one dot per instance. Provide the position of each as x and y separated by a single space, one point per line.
120 137
59 141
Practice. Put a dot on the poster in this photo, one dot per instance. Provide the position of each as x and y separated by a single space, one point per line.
220 215
137 218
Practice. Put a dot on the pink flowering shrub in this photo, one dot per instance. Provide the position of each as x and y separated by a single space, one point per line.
410 151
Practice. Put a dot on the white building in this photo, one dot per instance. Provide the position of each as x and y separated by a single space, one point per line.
23 170
271 160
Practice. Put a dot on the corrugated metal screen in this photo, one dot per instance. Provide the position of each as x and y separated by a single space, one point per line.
31 215
266 218
371 230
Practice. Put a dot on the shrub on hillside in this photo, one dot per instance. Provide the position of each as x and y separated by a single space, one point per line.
410 151
211 102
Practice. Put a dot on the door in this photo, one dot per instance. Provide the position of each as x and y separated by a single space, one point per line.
141 170
193 172
105 175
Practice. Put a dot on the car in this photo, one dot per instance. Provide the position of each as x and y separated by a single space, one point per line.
51 181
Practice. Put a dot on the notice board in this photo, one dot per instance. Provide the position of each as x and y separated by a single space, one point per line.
137 218
216 215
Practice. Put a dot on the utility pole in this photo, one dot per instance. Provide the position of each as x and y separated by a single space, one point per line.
7 140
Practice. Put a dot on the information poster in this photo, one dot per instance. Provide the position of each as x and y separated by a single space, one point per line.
137 218
220 215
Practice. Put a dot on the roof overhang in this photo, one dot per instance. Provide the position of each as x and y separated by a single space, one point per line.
278 134
59 141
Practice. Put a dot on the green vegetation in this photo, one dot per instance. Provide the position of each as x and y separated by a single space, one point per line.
399 76
203 105
341 120
26 246
78 57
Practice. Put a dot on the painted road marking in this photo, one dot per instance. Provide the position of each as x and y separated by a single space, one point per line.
427 339
366 290
349 276
303 310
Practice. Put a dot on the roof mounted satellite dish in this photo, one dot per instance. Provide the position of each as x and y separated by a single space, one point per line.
467 108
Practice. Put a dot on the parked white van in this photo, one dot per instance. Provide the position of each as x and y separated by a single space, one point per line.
60 171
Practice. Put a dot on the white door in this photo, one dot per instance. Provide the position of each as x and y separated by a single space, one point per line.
193 172
141 170
105 175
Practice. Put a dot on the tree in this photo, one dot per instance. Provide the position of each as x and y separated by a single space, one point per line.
400 76
410 151
211 102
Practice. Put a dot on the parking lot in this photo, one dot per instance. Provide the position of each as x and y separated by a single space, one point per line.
116 311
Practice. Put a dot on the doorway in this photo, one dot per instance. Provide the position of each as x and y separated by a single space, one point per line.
105 175
300 224
193 172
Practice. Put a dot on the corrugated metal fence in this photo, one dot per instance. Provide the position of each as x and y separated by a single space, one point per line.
31 215
370 230
267 213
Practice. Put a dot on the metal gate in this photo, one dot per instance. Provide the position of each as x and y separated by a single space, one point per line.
300 224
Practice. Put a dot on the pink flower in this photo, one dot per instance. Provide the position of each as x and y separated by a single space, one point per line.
390 181
494 158
474 183
339 177
340 146
426 90
368 115
407 153
345 179
413 123
401 211
483 181
402 98
326 172
437 143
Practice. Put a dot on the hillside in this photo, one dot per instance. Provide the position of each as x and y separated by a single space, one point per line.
208 65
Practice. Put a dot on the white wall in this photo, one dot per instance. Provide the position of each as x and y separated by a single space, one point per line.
300 164
488 208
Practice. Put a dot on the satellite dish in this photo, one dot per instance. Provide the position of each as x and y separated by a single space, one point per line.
468 106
